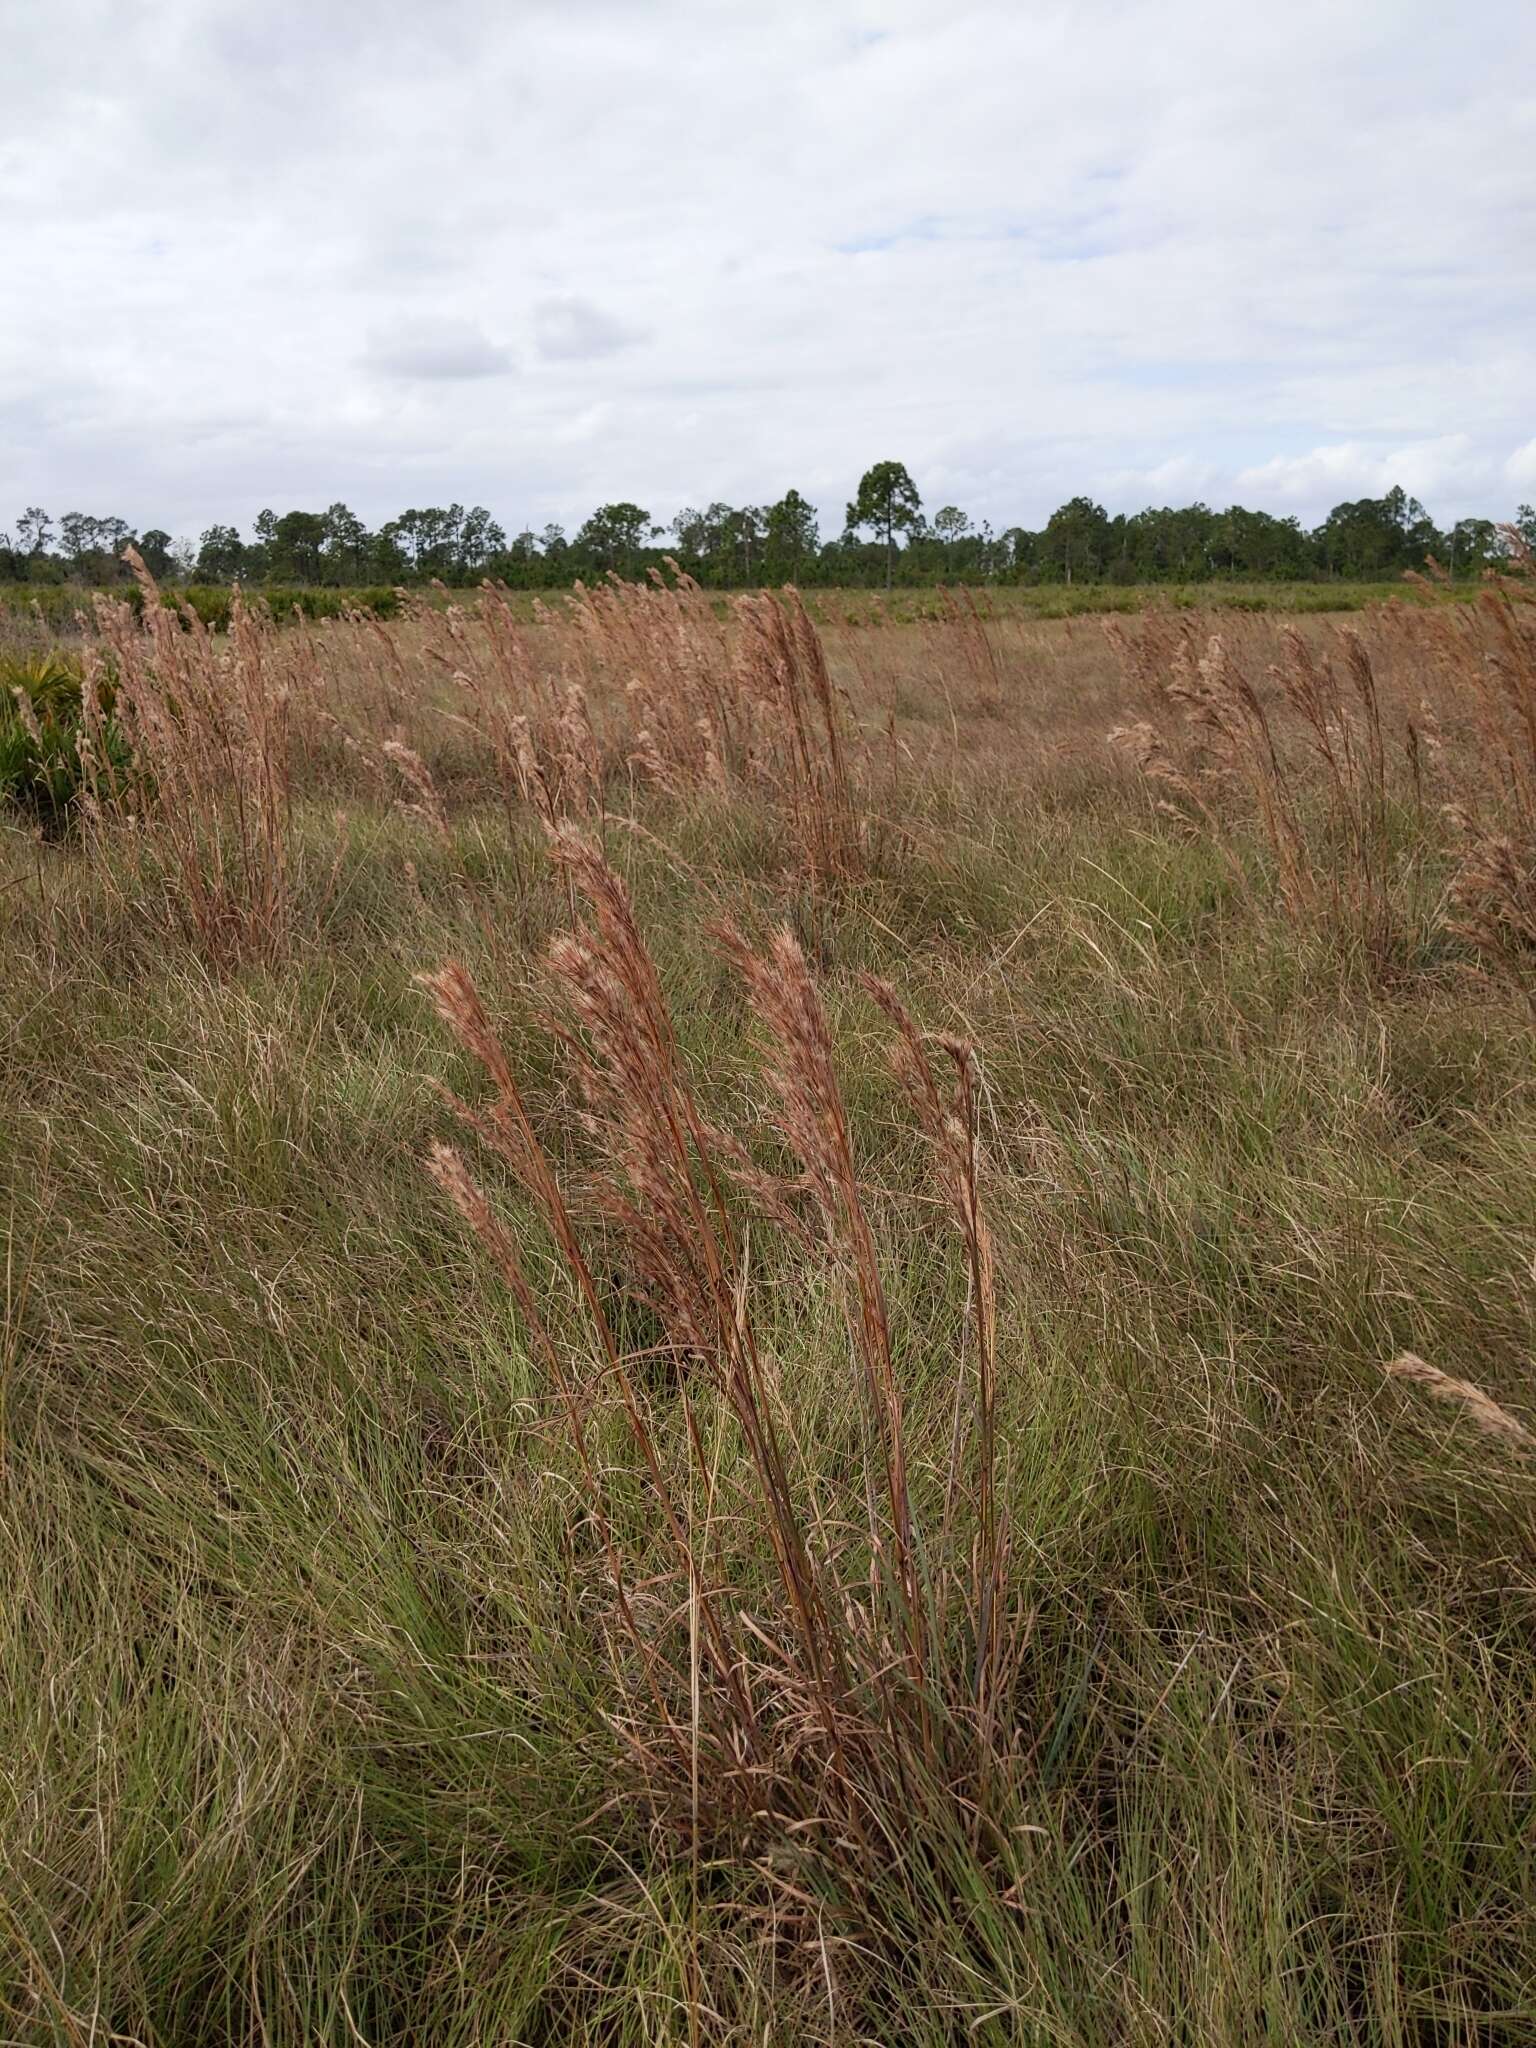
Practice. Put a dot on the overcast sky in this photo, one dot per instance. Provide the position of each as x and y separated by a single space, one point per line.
543 253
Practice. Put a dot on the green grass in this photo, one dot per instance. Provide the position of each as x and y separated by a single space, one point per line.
304 1722
1083 600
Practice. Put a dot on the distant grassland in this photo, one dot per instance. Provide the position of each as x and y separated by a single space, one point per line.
1067 600
57 605
726 1325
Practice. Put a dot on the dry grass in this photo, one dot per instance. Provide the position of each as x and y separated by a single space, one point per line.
1490 661
1339 742
208 726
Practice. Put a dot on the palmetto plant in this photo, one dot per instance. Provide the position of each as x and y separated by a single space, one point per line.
56 737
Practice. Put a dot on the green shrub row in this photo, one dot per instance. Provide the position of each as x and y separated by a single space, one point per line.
58 604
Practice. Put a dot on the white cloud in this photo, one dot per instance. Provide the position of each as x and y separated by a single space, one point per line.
1138 248
1449 463
1180 480
1521 466
572 330
433 349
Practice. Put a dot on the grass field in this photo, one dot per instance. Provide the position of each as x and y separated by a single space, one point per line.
768 1541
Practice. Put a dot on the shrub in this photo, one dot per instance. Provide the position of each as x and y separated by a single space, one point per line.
212 604
58 608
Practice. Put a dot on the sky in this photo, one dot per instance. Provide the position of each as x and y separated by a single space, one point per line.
540 254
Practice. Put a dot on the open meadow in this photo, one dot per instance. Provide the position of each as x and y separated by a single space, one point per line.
734 1324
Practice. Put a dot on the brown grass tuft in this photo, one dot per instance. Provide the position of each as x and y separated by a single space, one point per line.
871 1674
1484 1413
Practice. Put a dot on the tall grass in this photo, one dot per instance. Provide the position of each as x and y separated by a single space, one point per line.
207 725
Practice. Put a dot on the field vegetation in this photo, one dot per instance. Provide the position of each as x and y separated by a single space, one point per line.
39 615
737 1321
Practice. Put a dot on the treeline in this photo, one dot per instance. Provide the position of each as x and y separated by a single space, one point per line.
886 539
